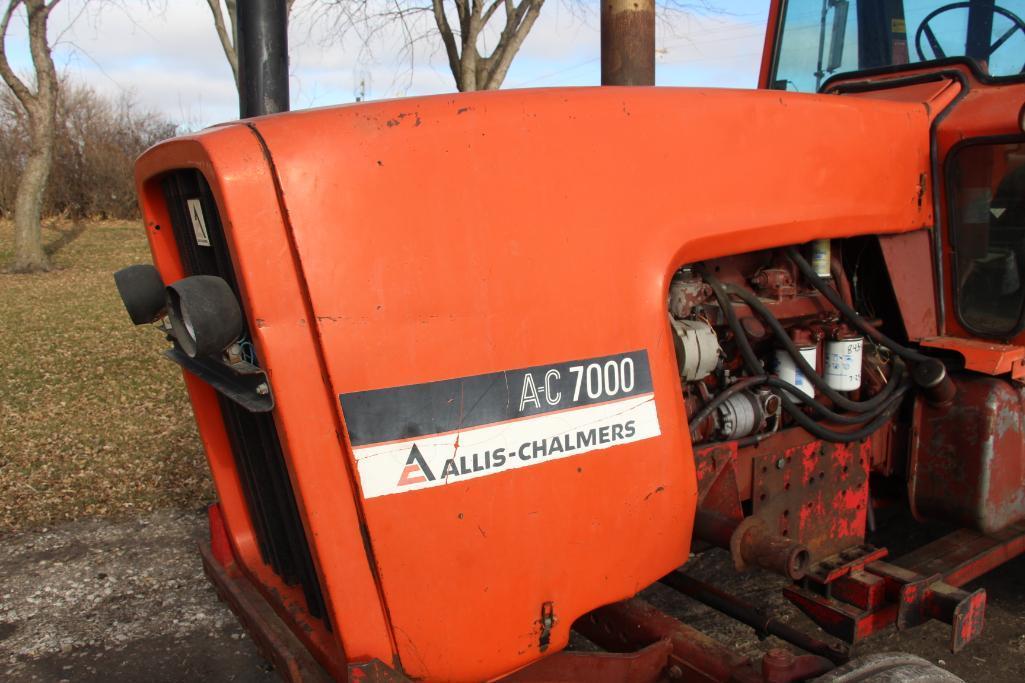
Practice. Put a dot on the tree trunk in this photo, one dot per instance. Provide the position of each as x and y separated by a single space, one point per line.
29 255
41 107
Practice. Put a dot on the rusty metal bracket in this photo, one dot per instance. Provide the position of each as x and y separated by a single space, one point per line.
647 665
921 598
763 623
859 598
628 625
272 637
982 356
375 671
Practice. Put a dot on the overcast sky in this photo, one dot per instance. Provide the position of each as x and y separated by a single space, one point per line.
169 58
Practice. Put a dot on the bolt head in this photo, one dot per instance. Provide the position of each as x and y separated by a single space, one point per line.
781 463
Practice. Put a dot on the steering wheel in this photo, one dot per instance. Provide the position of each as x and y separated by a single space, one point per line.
924 29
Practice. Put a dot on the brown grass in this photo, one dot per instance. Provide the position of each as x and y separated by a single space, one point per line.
93 422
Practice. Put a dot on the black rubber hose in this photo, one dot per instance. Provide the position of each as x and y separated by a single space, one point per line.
831 294
721 398
866 406
830 415
755 368
827 434
822 410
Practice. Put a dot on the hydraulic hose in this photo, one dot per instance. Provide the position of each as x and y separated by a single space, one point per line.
827 434
832 416
831 295
749 382
866 406
755 367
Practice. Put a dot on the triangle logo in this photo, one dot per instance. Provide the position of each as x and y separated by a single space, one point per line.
416 470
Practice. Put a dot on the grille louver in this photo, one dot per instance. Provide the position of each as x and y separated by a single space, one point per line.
253 436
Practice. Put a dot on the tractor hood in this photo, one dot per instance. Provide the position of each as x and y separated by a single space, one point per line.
482 238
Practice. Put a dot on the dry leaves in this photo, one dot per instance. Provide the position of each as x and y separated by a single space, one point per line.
93 421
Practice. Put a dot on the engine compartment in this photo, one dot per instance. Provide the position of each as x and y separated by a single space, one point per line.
792 396
780 352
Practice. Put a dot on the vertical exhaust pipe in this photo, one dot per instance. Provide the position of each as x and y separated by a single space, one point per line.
262 45
628 42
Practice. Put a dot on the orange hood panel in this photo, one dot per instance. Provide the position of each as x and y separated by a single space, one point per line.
484 234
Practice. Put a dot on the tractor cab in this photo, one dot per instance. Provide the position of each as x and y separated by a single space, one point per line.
893 50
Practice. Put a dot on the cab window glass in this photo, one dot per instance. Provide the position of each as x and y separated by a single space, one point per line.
819 39
988 230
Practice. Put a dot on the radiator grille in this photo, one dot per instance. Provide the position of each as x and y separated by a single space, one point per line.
253 436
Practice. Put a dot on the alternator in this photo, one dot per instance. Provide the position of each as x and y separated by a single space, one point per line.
697 348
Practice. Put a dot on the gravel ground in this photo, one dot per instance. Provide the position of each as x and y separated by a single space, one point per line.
99 601
96 600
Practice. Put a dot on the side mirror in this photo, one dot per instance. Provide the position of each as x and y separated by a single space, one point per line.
838 34
142 292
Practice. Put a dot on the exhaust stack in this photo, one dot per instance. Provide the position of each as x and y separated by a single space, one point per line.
628 42
262 44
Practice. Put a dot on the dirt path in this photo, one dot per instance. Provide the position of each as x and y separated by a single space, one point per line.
100 601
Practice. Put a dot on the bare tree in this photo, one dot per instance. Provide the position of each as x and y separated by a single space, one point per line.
226 23
40 106
471 69
96 142
464 26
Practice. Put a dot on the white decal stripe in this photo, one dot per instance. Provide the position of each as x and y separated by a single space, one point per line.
430 461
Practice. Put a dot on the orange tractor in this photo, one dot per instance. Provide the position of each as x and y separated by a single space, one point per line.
471 371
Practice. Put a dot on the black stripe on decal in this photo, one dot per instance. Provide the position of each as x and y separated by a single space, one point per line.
414 410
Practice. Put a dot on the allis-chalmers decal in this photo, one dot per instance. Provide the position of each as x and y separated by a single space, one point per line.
425 435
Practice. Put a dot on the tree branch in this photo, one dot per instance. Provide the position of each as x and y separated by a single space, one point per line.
21 90
503 55
446 35
489 11
463 12
42 58
227 41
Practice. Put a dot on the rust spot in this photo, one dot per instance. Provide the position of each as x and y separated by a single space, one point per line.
660 489
398 119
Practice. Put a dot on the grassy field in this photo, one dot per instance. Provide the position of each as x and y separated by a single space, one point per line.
93 422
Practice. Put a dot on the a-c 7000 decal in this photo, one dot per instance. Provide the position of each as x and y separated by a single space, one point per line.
426 435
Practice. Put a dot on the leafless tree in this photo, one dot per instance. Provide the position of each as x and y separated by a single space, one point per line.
40 105
226 23
464 27
96 142
481 37
471 69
